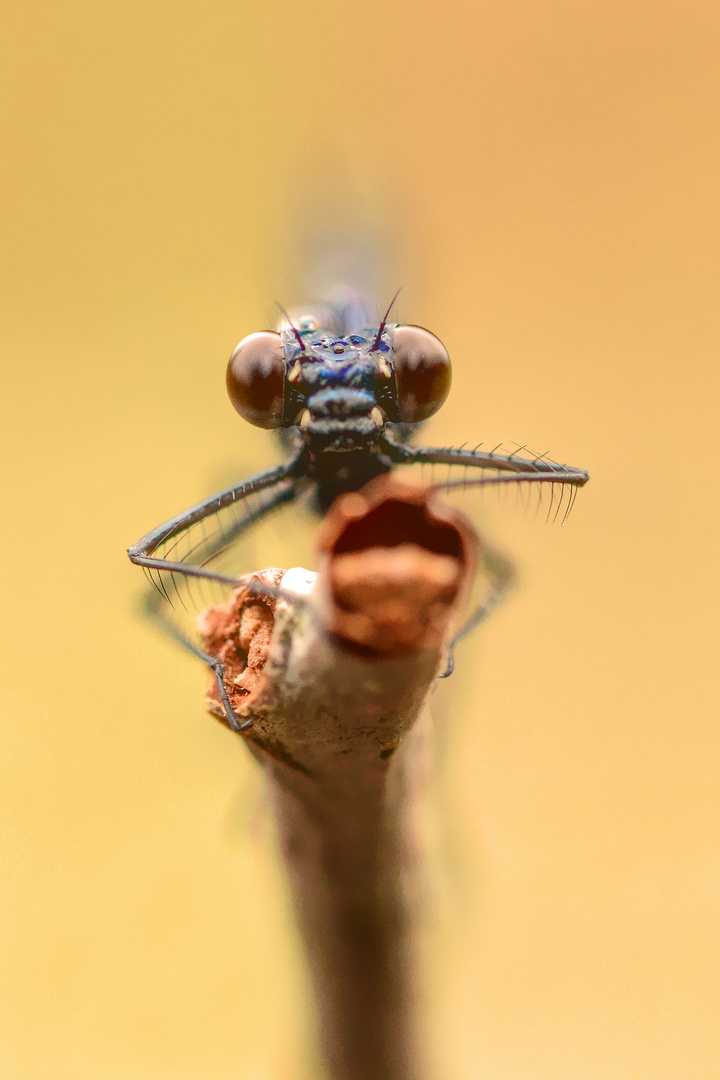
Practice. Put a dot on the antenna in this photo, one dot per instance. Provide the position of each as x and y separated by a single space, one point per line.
378 336
294 328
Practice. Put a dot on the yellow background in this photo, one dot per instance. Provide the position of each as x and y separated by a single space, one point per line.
552 169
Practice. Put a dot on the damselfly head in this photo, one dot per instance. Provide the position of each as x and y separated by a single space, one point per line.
339 390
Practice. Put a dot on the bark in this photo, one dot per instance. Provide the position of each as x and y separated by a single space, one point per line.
335 676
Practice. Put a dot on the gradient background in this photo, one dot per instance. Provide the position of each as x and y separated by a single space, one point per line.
553 173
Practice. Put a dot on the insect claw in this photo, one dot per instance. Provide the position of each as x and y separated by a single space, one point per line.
232 717
449 664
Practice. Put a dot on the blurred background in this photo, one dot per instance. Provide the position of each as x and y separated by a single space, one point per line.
548 177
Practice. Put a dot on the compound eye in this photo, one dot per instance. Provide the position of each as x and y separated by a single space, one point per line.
422 372
256 379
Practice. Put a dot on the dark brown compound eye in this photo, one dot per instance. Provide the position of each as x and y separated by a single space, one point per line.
256 379
422 372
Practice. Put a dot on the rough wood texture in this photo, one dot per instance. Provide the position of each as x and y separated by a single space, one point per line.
336 684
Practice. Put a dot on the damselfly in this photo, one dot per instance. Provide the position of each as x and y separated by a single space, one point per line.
346 399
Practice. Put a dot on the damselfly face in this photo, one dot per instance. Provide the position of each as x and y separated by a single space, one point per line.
346 402
338 391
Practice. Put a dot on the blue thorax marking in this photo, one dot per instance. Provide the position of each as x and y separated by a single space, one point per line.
328 364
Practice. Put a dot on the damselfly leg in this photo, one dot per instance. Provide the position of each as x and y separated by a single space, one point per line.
280 484
494 470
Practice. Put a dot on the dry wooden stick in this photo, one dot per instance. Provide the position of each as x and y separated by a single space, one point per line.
336 685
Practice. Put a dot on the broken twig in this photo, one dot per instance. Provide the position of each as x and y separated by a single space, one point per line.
336 683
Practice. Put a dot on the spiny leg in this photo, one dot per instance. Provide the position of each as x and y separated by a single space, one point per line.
503 469
509 468
143 551
153 608
156 601
501 573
